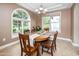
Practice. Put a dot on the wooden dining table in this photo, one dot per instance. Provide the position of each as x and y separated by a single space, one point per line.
40 39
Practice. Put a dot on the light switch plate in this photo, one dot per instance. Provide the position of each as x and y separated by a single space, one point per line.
4 39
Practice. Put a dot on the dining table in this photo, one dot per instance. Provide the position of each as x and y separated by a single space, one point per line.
39 39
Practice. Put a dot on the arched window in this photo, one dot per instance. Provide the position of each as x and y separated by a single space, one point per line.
20 21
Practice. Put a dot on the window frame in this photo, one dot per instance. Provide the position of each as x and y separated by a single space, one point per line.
16 35
59 24
50 23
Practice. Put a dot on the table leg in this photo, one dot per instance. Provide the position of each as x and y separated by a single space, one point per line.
38 49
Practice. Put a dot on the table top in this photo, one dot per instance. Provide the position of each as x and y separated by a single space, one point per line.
41 38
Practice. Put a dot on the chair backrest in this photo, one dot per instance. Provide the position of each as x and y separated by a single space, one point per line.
23 38
55 37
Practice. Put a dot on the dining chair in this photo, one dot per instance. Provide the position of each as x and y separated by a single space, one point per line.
25 45
50 44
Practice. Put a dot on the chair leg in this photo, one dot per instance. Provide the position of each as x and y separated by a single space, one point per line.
48 50
51 52
38 52
55 46
29 54
42 49
21 53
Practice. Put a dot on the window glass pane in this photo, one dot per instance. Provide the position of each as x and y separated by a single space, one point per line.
55 19
20 14
55 23
19 26
14 26
55 26
46 22
26 25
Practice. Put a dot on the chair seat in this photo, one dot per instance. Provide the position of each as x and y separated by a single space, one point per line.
47 44
30 48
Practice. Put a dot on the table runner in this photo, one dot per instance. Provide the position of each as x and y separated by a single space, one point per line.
36 35
32 38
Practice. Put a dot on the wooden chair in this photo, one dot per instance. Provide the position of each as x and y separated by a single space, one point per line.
25 45
50 44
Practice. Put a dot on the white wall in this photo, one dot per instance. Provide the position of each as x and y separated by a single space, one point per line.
76 24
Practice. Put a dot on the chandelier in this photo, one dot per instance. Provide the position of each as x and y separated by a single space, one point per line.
41 10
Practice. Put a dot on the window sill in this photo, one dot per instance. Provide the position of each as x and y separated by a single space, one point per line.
14 36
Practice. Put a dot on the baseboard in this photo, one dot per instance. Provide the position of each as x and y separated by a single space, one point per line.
76 45
66 39
10 44
69 40
15 42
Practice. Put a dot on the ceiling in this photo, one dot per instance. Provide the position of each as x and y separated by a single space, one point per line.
49 6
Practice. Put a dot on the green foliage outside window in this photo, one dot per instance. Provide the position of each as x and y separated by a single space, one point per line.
20 14
46 22
20 22
25 26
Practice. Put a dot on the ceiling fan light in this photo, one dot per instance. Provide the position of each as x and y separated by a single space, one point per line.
36 10
45 10
40 8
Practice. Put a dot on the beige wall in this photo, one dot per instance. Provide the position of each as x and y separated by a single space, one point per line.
5 21
66 23
39 21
